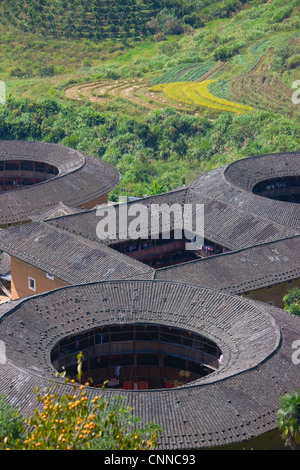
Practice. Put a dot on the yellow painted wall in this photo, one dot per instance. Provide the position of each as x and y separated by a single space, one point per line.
274 293
20 273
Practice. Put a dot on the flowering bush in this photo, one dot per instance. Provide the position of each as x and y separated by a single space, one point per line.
75 422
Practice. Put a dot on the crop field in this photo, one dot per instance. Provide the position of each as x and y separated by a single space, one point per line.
184 72
136 91
78 19
236 86
265 92
92 76
198 94
183 96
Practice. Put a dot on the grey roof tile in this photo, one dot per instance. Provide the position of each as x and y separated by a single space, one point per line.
235 403
81 179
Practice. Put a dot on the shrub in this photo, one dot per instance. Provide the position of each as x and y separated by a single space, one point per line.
173 26
11 424
294 61
281 55
74 422
291 301
160 36
289 419
18 73
47 71
224 52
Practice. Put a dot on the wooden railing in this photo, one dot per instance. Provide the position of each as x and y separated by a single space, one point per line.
134 347
138 377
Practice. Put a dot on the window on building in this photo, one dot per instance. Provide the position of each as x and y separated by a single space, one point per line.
50 276
31 284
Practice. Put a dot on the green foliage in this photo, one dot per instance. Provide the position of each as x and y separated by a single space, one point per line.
184 72
281 54
11 424
166 146
73 421
225 52
291 301
286 54
120 19
294 61
155 189
289 419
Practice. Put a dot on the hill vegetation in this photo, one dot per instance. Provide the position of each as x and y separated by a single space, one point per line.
102 19
187 86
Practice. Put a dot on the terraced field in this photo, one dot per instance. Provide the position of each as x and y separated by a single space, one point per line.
186 96
244 82
136 91
265 93
185 72
79 19
199 95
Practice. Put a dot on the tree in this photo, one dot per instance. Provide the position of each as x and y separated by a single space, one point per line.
72 421
11 423
289 419
291 301
155 189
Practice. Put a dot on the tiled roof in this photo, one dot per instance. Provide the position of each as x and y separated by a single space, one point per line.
237 402
69 257
226 222
4 263
244 270
81 179
234 217
232 185
59 210
84 224
235 228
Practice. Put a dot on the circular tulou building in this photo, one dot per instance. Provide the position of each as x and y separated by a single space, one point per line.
208 367
174 335
36 176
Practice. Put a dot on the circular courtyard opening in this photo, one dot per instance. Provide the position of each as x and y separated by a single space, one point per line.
137 356
15 174
286 189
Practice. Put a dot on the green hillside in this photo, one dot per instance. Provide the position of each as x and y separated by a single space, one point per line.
117 19
193 85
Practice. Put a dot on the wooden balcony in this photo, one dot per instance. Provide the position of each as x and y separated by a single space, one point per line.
139 347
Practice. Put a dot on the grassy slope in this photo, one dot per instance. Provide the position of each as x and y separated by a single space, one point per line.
247 77
24 62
